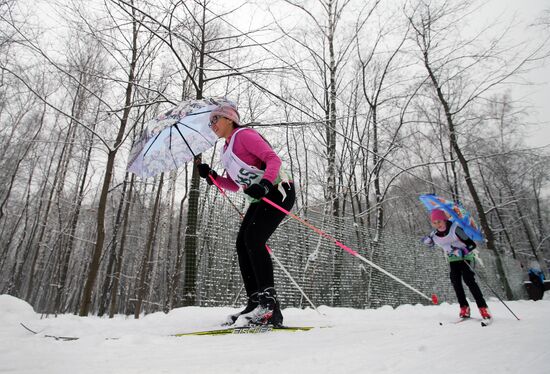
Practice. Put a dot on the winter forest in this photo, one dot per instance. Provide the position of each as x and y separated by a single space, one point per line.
368 103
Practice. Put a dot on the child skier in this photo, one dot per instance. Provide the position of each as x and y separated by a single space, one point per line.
458 246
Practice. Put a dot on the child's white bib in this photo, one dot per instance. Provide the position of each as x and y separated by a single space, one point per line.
450 242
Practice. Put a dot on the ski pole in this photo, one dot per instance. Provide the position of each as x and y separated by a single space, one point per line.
266 246
238 295
290 277
488 286
433 298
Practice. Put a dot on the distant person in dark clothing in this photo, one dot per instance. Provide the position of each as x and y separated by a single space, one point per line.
536 276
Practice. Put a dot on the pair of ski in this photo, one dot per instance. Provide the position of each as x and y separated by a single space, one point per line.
252 329
484 322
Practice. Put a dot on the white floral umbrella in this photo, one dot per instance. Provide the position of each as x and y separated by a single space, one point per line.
174 137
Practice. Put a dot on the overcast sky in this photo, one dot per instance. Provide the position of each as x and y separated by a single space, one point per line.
535 96
538 94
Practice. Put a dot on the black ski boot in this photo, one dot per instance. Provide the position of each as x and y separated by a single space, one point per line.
267 313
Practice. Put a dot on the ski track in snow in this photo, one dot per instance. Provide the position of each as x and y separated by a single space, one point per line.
408 339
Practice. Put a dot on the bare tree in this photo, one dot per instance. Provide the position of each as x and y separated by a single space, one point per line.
96 256
379 78
328 57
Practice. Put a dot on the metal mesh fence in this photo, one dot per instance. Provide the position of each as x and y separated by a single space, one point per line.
326 273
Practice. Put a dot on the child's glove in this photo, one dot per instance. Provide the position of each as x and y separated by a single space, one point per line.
458 252
427 240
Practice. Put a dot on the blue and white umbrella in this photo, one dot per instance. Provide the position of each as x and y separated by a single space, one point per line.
455 212
174 137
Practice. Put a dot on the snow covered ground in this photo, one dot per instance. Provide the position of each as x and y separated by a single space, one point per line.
409 339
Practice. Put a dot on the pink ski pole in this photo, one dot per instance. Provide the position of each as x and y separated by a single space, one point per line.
433 299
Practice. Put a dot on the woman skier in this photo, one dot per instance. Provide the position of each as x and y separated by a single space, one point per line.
250 163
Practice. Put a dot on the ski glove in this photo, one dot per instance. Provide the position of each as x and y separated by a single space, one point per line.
428 241
458 252
205 171
260 189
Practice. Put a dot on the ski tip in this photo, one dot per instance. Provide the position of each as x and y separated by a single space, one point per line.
435 300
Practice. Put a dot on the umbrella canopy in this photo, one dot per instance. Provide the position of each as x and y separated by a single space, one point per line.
174 137
455 212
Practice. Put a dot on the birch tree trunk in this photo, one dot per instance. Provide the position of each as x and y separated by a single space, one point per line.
114 290
142 289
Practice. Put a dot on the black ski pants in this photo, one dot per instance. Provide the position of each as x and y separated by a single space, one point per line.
461 271
260 221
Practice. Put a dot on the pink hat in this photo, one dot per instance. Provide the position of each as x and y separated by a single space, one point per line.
227 111
439 215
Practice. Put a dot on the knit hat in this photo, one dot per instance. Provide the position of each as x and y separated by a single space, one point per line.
439 215
227 111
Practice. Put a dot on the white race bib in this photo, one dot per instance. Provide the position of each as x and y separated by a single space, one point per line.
450 242
239 171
